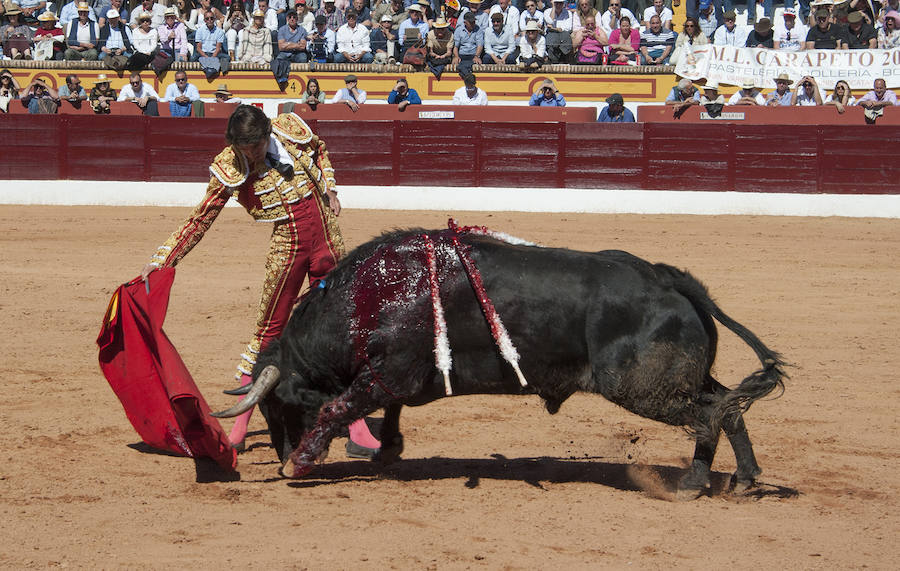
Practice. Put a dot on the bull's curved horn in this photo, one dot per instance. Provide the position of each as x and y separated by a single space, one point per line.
242 390
264 383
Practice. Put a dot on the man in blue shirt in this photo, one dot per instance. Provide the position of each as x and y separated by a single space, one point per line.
468 41
547 96
292 46
615 111
210 42
403 96
181 96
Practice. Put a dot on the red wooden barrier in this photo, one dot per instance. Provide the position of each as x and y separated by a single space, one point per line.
716 156
492 113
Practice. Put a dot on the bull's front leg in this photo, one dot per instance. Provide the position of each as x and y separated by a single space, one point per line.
333 417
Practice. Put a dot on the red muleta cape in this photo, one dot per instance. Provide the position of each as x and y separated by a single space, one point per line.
147 374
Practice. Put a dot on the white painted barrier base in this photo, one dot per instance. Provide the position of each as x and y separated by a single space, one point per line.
609 201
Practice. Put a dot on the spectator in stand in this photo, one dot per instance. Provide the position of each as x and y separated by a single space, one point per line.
322 42
334 18
353 42
615 111
762 35
72 91
363 14
559 23
807 93
624 44
789 36
236 20
413 30
592 44
281 8
124 14
313 96
841 98
69 12
197 17
30 10
48 32
482 18
350 95
510 16
383 41
145 41
531 14
683 96
255 44
156 10
879 98
102 94
40 98
439 47
173 36
888 6
468 45
532 47
547 96
15 37
224 96
711 95
304 16
181 96
210 45
665 14
402 96
687 41
428 13
609 21
825 35
499 43
782 96
657 43
115 41
394 9
584 14
82 37
729 33
748 94
470 93
889 34
861 34
271 17
292 45
141 94
9 89
706 19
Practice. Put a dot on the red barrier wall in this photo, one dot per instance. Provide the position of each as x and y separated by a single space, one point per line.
718 156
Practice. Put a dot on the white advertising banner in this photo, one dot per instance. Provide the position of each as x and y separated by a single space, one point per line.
733 66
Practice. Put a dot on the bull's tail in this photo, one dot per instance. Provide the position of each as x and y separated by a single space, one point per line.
758 384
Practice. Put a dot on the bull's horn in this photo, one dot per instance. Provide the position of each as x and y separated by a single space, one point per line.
264 383
242 390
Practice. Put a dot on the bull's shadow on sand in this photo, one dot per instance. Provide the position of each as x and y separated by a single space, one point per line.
655 480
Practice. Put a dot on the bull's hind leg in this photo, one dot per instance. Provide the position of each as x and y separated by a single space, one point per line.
747 468
696 482
333 417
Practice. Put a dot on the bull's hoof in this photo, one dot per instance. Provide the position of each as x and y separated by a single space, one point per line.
388 454
741 485
291 470
693 485
689 494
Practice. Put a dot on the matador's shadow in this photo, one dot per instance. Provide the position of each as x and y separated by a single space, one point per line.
658 481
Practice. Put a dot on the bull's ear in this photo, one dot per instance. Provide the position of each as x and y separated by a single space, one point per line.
239 391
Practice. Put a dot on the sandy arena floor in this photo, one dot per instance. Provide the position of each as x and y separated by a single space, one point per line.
486 482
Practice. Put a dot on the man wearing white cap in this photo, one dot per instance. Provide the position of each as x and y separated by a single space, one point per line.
124 14
82 36
173 36
749 94
156 10
790 35
383 41
115 41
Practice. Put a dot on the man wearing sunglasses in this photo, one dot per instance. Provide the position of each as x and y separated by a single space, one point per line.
141 94
210 44
181 96
826 35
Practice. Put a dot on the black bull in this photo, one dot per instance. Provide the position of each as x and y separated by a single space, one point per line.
640 334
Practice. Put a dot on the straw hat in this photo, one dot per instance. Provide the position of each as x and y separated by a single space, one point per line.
441 23
748 84
12 9
47 17
223 90
101 78
532 26
170 12
783 77
84 7
259 13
